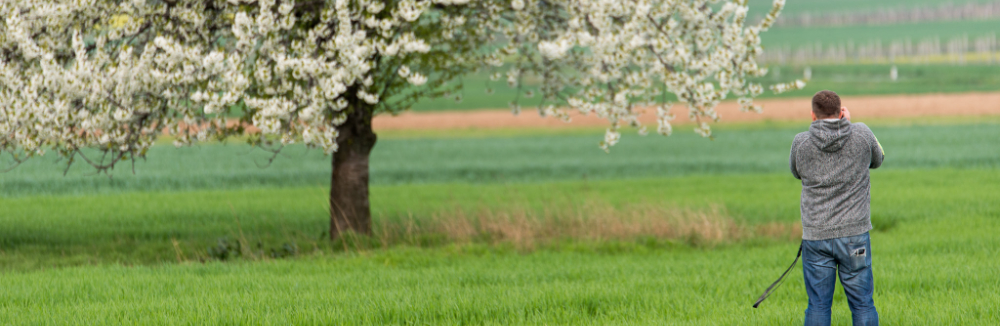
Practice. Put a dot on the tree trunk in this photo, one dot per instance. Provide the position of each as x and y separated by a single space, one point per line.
349 206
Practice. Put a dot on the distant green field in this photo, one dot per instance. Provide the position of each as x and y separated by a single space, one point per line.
935 246
846 6
573 155
847 80
859 35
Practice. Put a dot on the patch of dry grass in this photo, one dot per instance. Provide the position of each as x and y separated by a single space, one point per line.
527 229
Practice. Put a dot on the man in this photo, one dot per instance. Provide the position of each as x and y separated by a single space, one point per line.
832 160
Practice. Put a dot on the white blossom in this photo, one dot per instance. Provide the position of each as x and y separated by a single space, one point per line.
416 79
114 76
635 52
517 4
554 50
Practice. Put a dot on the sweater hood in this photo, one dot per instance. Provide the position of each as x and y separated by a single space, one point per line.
829 136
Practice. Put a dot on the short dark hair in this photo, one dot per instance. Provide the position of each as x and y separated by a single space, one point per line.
826 104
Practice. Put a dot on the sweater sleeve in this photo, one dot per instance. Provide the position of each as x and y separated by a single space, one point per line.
878 154
791 160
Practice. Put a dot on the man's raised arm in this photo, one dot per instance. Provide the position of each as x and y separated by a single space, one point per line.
791 162
878 154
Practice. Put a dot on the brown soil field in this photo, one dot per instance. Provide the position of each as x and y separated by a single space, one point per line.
797 109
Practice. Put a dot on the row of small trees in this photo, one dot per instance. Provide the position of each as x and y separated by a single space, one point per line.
888 16
958 50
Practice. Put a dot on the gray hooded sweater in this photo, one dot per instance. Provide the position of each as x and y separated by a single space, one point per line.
832 160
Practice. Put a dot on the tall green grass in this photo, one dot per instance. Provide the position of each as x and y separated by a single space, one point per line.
48 231
406 287
938 253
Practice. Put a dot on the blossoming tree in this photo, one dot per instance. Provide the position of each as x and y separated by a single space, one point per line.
79 77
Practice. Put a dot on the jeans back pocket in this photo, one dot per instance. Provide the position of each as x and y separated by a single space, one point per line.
857 256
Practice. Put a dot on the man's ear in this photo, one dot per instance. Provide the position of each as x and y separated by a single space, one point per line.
841 114
813 115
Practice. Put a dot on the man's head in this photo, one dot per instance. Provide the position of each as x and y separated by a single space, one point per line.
826 105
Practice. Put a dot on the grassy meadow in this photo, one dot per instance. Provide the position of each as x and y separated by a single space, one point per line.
681 230
944 262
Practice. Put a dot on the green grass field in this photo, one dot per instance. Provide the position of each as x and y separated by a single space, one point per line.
937 253
139 249
937 271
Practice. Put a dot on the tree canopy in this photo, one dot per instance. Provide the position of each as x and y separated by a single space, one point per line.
114 74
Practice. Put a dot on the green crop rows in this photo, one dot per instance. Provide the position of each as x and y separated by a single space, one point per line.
512 158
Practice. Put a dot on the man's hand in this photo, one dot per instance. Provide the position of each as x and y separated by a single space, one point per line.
844 113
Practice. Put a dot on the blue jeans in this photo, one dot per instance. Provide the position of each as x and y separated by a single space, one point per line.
852 257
